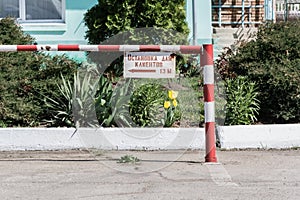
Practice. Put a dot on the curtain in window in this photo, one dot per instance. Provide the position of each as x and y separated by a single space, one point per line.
43 9
9 8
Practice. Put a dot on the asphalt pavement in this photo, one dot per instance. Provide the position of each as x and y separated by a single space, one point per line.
182 175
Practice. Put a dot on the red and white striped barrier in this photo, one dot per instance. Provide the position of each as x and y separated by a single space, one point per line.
206 57
185 49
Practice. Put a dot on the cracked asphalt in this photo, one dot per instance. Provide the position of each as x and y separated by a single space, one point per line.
82 174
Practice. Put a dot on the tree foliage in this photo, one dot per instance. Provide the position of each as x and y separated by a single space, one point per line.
110 17
133 22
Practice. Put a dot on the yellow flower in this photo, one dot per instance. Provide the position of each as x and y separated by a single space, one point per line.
175 103
167 104
172 94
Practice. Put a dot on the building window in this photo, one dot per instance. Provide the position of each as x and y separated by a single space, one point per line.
33 10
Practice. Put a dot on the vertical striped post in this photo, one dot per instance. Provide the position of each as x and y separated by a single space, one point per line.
207 62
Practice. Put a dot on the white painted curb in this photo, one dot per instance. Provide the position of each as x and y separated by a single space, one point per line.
102 138
37 139
256 136
260 136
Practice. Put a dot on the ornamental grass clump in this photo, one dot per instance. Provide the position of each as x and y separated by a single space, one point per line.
242 104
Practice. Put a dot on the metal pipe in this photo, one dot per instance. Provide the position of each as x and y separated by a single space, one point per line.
220 13
243 13
285 10
194 23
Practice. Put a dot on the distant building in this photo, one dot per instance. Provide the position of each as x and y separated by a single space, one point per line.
240 13
287 10
236 21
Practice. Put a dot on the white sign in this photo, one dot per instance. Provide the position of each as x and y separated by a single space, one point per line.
149 65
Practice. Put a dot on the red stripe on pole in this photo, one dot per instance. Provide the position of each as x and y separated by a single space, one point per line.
207 56
209 95
109 47
26 48
149 48
210 142
190 49
68 47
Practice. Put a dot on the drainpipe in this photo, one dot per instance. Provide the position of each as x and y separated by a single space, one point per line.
243 13
274 10
286 11
194 23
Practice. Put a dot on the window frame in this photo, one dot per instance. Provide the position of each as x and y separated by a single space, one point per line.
22 14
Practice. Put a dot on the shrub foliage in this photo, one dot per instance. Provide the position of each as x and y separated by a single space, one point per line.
26 78
146 105
272 60
108 18
134 22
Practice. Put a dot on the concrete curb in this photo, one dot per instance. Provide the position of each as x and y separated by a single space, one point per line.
102 138
258 136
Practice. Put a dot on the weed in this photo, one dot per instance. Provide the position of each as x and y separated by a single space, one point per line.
129 159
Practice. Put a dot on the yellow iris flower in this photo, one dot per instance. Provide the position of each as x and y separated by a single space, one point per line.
172 94
167 104
175 103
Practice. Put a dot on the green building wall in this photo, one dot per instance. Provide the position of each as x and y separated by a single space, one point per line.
73 30
203 28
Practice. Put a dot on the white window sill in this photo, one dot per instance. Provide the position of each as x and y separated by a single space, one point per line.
43 26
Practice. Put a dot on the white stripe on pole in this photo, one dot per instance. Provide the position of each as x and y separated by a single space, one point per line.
171 48
209 111
129 47
88 48
47 47
5 48
208 74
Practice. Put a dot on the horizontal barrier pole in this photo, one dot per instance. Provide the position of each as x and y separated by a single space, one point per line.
185 49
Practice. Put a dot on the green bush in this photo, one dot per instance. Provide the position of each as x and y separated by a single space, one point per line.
242 105
108 18
152 105
26 78
146 105
272 61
